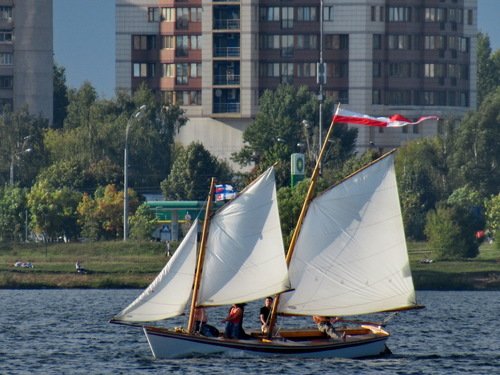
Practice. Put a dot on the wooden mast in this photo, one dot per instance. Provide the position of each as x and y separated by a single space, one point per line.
303 212
201 257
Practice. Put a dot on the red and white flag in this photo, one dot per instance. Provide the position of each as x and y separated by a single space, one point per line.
395 121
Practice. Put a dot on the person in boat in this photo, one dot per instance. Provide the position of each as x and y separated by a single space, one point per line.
265 312
325 324
234 322
200 323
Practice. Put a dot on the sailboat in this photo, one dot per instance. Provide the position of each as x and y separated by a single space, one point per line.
347 257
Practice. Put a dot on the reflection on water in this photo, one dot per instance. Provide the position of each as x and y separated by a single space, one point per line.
67 331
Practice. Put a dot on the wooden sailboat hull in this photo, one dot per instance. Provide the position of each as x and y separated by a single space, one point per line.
169 344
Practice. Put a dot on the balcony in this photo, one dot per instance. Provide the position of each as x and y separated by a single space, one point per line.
226 79
226 108
226 24
226 51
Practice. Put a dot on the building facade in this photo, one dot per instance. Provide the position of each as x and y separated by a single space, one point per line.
214 58
26 56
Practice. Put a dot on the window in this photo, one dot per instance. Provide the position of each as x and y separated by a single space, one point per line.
270 14
470 17
181 45
168 41
287 17
195 70
399 97
373 11
287 45
463 44
306 70
377 69
309 41
167 14
400 70
399 14
144 42
5 36
434 70
6 82
287 72
152 14
307 14
269 41
144 70
399 41
6 13
337 41
182 18
377 41
195 41
269 70
434 42
168 70
455 15
195 15
377 98
181 74
5 58
337 70
328 13
434 15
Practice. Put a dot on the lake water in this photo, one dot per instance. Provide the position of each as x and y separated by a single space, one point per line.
67 332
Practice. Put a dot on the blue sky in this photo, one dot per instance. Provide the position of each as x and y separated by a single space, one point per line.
84 39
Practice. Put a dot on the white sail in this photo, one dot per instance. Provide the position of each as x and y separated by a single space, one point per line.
245 258
351 256
169 292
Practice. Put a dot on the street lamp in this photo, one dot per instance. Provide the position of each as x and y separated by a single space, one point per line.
15 156
134 116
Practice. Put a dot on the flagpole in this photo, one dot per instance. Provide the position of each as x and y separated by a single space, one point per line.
303 212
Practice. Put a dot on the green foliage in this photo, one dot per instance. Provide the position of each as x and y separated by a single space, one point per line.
278 130
142 223
421 171
475 156
12 213
21 145
191 173
53 210
492 206
447 236
101 217
60 99
488 68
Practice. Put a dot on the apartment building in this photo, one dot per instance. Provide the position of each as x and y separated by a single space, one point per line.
26 55
380 57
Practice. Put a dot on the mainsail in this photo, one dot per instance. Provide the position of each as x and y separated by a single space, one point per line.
351 256
169 292
245 258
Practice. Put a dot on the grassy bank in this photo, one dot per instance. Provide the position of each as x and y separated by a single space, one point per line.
134 265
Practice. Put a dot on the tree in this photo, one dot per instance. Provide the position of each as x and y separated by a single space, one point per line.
421 172
492 206
475 155
53 211
446 237
12 213
488 70
60 97
101 216
22 145
191 173
278 131
142 223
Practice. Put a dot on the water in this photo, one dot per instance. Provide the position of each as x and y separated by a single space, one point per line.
66 332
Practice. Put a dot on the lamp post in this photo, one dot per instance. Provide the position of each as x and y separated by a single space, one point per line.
134 116
15 155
